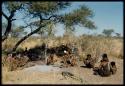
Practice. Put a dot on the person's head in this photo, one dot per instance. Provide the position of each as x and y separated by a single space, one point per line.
104 57
112 63
88 56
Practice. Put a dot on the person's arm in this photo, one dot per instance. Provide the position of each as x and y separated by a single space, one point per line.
86 61
100 65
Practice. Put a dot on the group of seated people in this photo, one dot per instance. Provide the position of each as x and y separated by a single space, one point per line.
105 67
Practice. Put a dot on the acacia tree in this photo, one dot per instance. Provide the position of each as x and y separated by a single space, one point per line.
48 31
47 12
118 35
11 7
108 32
17 32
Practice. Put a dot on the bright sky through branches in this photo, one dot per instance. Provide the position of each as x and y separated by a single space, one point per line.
107 15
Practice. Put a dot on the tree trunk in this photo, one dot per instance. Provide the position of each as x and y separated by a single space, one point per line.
25 37
8 29
9 21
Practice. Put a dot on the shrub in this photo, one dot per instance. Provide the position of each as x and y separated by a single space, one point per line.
14 63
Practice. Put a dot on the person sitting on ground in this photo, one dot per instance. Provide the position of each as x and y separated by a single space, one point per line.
104 68
113 67
105 57
89 62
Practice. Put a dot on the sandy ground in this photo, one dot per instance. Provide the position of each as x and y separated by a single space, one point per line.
42 74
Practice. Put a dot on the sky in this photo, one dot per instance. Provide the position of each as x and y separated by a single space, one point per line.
107 15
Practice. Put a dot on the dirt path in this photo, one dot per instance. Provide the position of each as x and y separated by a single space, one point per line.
52 75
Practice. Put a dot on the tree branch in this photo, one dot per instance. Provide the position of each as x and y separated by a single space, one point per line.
25 37
13 11
13 19
12 14
9 20
5 15
49 17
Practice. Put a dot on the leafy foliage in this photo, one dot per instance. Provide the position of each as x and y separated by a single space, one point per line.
108 32
46 14
13 6
79 17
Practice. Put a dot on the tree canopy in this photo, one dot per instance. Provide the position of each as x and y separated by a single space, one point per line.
108 32
45 14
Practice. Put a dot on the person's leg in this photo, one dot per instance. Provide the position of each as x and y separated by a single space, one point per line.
96 70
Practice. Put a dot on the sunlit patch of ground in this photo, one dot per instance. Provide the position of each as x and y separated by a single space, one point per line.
42 74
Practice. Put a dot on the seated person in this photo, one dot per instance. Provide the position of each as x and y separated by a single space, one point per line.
104 57
89 62
103 69
113 67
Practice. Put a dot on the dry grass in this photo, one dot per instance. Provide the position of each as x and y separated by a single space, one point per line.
14 63
86 44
